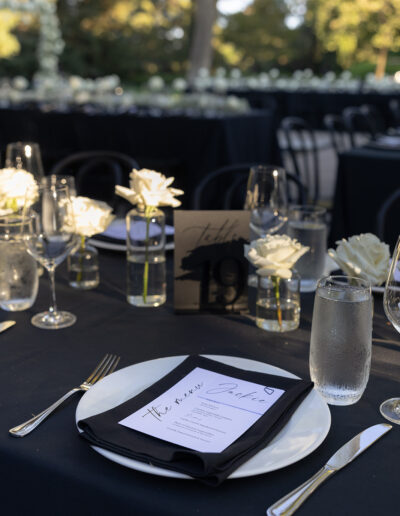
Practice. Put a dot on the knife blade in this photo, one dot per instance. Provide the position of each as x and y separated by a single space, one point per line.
5 325
347 453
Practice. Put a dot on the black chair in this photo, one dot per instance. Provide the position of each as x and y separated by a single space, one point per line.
225 188
356 121
338 132
394 108
376 119
390 207
303 149
97 172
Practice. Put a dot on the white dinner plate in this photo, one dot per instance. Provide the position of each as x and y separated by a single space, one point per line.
304 432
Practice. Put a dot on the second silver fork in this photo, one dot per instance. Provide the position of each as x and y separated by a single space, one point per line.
105 367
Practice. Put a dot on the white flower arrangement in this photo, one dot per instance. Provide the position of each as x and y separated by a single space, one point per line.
363 256
274 255
149 188
91 216
14 185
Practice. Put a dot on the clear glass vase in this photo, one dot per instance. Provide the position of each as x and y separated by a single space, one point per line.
83 267
18 269
278 303
146 271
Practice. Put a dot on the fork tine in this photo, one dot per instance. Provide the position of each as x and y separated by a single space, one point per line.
106 369
110 369
97 368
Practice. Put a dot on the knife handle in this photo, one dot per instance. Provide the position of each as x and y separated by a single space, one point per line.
292 501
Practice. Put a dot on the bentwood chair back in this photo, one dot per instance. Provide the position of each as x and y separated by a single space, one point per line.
387 228
225 188
303 150
338 133
357 121
376 119
97 172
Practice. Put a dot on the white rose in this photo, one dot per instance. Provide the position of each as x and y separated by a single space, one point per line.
90 216
150 188
14 184
156 83
274 255
364 256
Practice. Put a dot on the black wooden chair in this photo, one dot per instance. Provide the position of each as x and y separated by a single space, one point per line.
303 150
357 121
225 188
97 172
388 214
338 132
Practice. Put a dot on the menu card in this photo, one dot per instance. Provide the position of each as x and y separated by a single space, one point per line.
205 411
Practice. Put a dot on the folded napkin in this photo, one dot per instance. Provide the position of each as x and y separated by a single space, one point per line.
104 431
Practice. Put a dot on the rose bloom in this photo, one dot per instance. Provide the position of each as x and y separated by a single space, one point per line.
363 256
90 216
150 188
13 186
274 255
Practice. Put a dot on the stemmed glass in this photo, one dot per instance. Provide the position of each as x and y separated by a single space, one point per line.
390 409
267 199
48 211
25 156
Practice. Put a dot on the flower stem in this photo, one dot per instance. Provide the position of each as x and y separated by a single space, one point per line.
81 251
276 281
148 211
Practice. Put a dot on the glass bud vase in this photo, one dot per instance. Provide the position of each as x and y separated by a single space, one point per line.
278 303
146 272
83 267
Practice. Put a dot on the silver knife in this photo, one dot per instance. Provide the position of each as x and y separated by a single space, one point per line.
348 452
5 325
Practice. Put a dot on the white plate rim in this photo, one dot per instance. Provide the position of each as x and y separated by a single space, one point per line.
245 470
110 246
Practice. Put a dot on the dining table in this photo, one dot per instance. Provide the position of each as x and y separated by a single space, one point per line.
366 177
53 471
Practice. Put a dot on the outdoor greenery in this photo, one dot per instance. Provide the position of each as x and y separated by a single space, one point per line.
137 39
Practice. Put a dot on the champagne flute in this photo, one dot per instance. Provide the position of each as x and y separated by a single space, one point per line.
390 409
25 156
48 210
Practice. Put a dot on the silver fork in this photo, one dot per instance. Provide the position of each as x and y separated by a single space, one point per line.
105 367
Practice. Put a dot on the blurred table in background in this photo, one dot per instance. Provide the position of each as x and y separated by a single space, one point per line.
314 105
366 178
187 147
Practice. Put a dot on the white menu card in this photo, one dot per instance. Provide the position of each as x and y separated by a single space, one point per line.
205 411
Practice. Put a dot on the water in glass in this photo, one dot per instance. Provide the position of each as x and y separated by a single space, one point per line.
156 289
306 224
340 348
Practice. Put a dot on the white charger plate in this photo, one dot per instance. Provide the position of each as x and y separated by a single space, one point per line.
305 431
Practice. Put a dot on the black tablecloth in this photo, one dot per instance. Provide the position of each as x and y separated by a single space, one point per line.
186 147
54 472
313 105
366 178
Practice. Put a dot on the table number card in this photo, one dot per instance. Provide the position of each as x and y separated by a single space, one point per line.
205 411
210 270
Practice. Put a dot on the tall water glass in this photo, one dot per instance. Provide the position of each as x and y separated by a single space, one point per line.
266 197
341 336
48 212
307 225
25 156
18 270
390 408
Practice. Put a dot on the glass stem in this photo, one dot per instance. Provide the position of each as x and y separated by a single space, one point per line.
53 303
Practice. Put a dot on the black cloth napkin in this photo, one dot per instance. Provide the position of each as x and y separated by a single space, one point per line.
211 468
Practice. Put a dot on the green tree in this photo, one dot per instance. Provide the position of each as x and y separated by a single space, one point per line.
357 30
